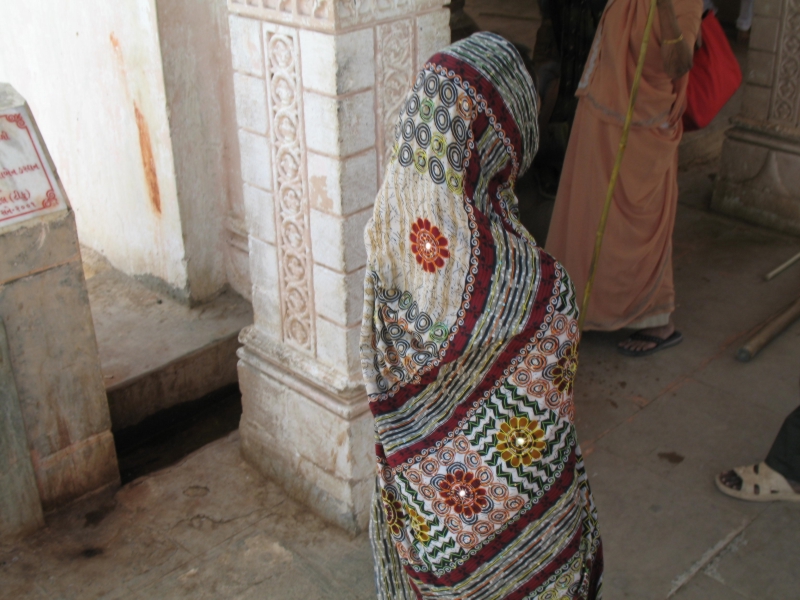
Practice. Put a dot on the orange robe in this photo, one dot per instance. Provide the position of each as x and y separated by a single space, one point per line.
633 286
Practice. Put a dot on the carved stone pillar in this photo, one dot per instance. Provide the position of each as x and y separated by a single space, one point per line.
759 178
318 87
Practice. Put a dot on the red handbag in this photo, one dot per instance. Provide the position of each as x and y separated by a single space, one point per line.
714 78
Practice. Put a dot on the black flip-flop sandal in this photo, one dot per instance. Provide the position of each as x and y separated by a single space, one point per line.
660 343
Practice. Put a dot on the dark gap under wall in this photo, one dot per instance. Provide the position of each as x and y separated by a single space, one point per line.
166 437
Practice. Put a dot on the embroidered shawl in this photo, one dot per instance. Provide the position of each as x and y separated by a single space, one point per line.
469 349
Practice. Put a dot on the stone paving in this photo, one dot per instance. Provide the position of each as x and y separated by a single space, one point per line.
654 431
209 527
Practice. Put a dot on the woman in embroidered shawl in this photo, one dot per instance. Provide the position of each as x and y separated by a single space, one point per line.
633 287
469 349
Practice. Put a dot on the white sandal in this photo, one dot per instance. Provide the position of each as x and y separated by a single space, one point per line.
760 483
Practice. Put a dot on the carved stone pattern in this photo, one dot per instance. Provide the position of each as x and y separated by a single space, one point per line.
288 152
329 14
354 12
313 13
394 73
787 88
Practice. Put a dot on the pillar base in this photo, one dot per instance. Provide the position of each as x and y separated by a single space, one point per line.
759 179
307 427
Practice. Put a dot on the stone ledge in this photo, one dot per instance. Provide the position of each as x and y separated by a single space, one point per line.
37 245
156 352
759 179
189 377
323 385
770 133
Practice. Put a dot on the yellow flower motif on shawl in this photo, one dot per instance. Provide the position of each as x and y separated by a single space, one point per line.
418 525
520 441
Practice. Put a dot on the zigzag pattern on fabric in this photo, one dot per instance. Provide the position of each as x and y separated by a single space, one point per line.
469 349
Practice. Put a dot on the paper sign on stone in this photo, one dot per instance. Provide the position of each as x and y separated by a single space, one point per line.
28 185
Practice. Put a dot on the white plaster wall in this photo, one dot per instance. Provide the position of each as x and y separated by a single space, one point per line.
135 101
92 74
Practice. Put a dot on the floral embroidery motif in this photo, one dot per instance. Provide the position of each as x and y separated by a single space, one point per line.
452 502
565 369
520 441
428 245
394 512
418 524
464 493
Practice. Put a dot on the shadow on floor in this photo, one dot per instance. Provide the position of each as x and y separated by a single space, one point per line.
168 436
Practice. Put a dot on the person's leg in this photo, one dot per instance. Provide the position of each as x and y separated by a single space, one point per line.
784 456
745 19
548 75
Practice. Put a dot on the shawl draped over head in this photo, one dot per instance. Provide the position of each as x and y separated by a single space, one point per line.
469 349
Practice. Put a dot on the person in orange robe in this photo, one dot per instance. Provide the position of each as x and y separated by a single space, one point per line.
633 286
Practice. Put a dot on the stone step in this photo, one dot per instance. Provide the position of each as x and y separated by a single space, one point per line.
155 351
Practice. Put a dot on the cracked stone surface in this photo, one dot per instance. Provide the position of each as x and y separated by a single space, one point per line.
208 527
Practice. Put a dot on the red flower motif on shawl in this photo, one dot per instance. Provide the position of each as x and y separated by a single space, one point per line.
464 493
428 245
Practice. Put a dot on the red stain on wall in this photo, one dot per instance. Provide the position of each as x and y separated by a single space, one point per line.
145 144
148 160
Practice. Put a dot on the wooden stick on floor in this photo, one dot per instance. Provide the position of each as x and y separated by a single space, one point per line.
769 331
782 267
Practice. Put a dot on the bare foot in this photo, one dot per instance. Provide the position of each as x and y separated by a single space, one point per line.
641 345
